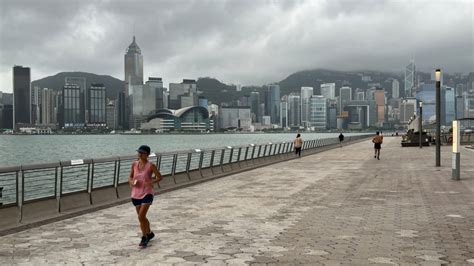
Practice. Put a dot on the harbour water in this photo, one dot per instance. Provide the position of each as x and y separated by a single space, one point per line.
34 149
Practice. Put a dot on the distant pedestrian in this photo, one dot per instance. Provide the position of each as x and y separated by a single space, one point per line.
377 140
298 143
141 182
341 138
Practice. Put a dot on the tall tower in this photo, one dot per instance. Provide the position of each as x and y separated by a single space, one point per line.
409 79
306 94
21 96
133 66
133 77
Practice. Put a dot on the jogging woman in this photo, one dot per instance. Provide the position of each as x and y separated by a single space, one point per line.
141 182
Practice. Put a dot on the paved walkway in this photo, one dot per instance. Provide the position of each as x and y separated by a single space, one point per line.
337 207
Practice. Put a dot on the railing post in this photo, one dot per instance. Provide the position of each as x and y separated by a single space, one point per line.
56 190
222 159
117 175
246 153
201 159
173 167
22 191
158 165
91 185
61 184
188 165
238 157
253 152
231 154
115 181
212 161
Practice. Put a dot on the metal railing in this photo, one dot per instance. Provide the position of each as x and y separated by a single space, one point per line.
20 185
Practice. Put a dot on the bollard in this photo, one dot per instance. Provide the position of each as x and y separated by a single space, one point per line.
456 164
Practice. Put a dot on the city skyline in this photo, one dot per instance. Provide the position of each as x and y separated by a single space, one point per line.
207 43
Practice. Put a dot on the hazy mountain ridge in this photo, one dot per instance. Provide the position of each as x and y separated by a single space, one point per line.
218 92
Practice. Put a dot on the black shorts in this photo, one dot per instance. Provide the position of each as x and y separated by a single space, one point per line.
148 199
377 146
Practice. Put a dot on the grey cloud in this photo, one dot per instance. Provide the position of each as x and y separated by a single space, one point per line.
247 42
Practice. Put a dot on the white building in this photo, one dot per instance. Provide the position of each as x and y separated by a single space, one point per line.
328 90
395 89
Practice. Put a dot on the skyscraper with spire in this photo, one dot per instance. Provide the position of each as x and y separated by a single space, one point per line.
133 77
133 66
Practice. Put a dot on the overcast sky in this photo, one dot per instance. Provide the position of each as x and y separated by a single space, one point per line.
244 42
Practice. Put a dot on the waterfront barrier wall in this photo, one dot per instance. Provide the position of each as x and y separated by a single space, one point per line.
41 193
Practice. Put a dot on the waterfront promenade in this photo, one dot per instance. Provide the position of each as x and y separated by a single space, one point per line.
340 206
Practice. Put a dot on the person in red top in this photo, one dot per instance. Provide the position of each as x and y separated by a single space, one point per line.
141 182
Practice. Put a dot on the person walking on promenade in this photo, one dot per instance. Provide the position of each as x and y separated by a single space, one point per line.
298 143
141 182
377 140
341 138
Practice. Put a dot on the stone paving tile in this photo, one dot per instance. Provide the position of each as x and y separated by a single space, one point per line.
339 207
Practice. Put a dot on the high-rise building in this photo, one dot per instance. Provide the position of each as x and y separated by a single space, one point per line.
21 96
410 79
294 110
48 107
133 65
273 107
143 104
359 95
35 105
328 90
70 107
183 94
370 94
395 89
332 113
449 102
379 96
254 106
361 114
84 98
112 114
284 114
133 62
97 105
234 117
460 106
157 85
345 96
318 112
122 118
306 94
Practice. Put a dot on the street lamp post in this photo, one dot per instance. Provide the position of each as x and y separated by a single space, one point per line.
420 123
438 117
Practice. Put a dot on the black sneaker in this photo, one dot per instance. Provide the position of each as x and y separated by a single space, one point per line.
375 156
150 236
144 241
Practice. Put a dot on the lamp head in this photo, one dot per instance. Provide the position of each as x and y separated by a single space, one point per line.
438 74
